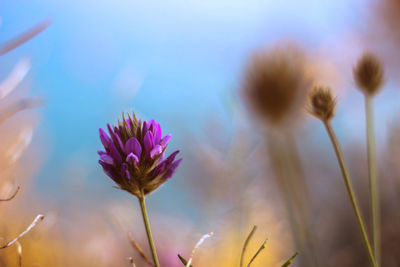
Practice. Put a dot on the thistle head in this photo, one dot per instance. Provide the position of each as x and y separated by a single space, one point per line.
368 74
322 103
133 155
275 84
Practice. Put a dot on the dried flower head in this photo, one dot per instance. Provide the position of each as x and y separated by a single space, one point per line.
322 103
368 74
275 83
134 153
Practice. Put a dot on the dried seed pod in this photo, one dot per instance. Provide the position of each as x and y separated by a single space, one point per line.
275 83
322 103
368 74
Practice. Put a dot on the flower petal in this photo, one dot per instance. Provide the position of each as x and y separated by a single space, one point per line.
133 146
114 153
171 158
155 128
132 159
107 159
164 141
165 164
145 127
172 169
125 171
116 139
109 170
148 143
105 140
156 151
152 125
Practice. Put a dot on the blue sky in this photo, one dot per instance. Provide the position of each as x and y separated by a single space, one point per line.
169 60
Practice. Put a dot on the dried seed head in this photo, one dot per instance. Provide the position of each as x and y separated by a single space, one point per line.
368 74
322 103
275 83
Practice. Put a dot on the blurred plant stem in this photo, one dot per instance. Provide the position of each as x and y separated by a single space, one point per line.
148 230
291 181
350 190
373 179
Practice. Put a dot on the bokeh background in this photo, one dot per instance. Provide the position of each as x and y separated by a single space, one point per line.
182 64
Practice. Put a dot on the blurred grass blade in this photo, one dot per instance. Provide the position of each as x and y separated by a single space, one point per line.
15 77
132 262
136 246
20 105
23 37
258 252
246 242
289 261
198 244
19 251
16 150
183 260
12 196
38 219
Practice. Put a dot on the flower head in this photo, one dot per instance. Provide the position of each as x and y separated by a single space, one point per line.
368 74
322 103
276 82
134 155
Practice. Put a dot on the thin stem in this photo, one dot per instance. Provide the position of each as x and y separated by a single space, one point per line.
258 252
350 191
373 179
246 242
148 230
290 260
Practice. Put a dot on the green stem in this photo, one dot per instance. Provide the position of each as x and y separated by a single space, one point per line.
350 191
258 252
148 230
373 179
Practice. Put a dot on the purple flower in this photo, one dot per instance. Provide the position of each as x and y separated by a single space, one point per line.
134 153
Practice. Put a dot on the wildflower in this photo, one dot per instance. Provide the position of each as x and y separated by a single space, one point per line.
275 83
322 103
134 153
368 74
